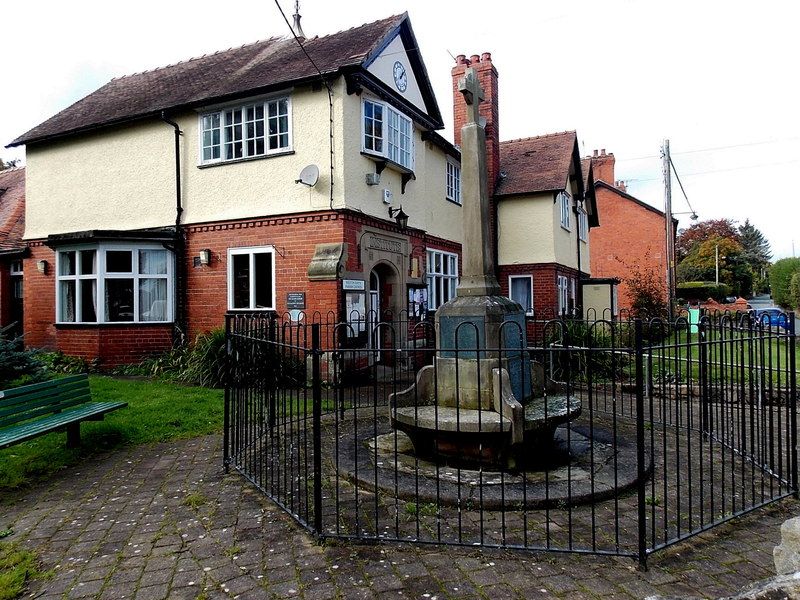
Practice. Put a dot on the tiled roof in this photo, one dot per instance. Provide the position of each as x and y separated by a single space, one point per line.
257 67
535 164
12 209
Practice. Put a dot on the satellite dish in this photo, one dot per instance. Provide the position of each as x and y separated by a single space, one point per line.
309 176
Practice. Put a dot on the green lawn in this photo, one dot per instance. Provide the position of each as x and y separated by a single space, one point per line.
157 411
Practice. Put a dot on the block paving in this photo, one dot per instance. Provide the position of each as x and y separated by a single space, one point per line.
166 521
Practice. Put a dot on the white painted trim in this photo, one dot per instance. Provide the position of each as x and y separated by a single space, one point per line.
453 162
385 130
439 278
251 251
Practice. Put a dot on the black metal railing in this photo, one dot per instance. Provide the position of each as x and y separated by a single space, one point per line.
633 435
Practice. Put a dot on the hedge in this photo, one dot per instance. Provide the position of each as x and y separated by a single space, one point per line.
703 290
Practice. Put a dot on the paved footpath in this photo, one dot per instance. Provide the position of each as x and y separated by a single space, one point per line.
165 521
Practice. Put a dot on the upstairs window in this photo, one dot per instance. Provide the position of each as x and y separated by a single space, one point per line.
251 130
388 133
583 225
453 182
564 199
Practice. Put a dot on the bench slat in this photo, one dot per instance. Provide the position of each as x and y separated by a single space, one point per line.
44 385
51 397
20 399
19 433
41 406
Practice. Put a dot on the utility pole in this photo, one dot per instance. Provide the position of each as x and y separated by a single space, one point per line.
670 245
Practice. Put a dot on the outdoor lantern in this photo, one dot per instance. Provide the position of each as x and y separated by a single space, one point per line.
41 266
398 215
205 257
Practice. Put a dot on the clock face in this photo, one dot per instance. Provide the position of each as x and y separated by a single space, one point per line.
400 76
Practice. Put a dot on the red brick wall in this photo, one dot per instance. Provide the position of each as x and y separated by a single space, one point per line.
39 298
628 234
295 239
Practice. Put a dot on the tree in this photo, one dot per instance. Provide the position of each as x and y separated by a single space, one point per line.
794 291
779 277
647 289
9 164
689 238
755 252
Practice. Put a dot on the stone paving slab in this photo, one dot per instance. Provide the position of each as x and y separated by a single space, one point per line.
165 521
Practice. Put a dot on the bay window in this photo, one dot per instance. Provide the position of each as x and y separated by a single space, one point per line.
109 283
247 131
388 133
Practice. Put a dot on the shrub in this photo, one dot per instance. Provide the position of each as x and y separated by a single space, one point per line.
794 291
779 277
647 290
19 366
703 290
58 362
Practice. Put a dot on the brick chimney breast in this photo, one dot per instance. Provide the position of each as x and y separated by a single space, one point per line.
489 108
603 167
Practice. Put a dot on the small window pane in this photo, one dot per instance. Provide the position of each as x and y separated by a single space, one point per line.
88 262
66 291
119 300
153 262
88 300
153 299
119 261
66 265
241 280
263 277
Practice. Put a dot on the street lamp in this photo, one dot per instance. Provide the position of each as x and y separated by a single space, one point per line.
716 263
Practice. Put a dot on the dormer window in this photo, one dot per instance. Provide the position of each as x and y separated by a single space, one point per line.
388 133
247 131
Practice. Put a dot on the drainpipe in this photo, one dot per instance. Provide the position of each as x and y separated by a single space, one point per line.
180 326
578 286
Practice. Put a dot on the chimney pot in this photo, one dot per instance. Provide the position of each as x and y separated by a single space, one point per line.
602 151
486 57
461 59
475 58
594 152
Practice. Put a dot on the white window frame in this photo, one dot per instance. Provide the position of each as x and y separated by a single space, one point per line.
15 273
583 225
564 200
16 268
251 251
453 181
440 279
102 275
243 106
528 310
390 134
563 294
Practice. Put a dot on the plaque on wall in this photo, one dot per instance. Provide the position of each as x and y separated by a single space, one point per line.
354 284
295 300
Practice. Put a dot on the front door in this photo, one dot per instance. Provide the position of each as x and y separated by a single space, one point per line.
374 308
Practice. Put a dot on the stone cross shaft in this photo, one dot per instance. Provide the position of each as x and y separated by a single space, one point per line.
478 277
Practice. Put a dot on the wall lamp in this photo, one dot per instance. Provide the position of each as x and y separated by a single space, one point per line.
399 216
205 257
41 266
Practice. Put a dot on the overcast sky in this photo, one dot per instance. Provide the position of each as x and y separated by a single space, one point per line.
718 78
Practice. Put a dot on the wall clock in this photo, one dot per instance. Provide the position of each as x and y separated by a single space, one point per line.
400 76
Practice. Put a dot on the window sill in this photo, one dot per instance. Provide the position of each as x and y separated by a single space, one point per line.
456 202
381 162
115 324
244 160
565 228
251 310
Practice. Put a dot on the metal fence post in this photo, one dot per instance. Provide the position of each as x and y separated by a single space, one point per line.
793 400
702 350
273 359
226 422
640 466
316 383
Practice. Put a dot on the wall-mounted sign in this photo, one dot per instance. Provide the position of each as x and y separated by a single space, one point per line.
295 300
353 284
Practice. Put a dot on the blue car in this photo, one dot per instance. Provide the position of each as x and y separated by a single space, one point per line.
772 316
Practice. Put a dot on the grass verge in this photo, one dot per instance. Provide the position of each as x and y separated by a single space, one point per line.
157 411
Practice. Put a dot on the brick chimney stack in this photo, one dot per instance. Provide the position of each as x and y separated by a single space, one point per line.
603 166
487 75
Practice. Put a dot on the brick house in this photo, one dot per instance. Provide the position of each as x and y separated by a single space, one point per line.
12 249
542 208
243 181
632 232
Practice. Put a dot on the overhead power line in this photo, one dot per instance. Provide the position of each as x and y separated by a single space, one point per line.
674 170
714 148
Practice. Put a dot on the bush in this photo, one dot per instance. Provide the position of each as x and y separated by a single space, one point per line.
19 366
58 362
703 290
779 277
794 291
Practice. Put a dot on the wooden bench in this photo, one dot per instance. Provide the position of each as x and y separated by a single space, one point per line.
39 408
